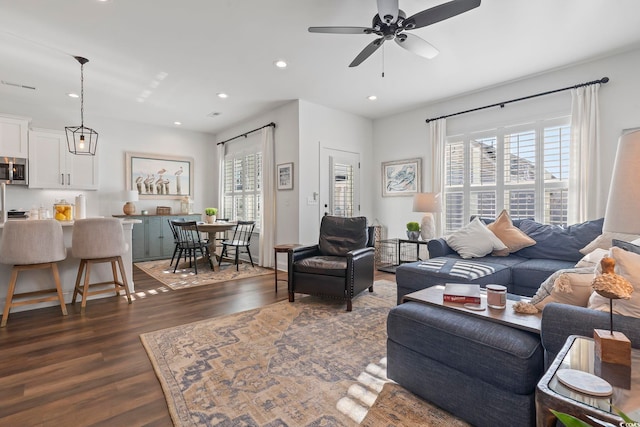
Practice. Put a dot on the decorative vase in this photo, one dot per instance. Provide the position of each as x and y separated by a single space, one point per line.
210 219
413 235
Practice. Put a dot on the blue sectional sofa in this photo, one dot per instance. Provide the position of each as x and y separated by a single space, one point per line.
484 372
522 272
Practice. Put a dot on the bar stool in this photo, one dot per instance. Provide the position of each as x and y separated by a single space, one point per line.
94 241
30 245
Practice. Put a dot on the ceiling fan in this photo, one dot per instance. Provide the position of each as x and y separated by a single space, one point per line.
390 23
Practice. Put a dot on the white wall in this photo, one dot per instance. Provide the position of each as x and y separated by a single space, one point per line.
326 127
405 135
286 150
115 138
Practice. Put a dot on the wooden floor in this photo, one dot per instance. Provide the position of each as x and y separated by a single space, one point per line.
91 370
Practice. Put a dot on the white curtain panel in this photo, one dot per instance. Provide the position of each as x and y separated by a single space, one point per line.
268 222
438 138
585 183
221 212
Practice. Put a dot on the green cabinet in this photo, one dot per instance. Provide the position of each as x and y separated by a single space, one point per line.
152 239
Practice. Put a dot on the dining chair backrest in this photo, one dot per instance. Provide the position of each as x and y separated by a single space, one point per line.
187 232
242 233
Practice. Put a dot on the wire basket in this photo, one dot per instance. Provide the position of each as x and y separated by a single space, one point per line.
163 210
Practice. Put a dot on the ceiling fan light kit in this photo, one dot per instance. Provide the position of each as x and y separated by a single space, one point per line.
390 23
81 139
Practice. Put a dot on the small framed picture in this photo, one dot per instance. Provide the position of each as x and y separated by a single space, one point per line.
401 177
285 176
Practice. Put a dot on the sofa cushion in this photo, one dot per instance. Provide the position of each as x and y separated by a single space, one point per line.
527 276
328 265
513 238
339 235
414 276
559 243
508 358
474 240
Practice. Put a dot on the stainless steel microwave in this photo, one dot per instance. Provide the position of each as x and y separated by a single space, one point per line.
14 171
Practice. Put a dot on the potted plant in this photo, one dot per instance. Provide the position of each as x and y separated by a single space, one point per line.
413 230
210 215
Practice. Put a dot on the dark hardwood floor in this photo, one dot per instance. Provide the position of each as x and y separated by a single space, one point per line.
91 370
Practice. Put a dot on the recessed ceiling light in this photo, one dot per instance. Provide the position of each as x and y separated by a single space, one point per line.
177 123
222 95
280 63
372 97
73 95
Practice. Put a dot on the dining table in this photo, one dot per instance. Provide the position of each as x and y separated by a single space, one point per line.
214 229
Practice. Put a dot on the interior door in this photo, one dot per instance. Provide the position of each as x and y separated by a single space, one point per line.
339 183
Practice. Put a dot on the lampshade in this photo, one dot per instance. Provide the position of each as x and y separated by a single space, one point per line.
130 196
623 206
426 202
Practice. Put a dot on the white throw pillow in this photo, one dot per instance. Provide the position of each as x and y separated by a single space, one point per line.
474 240
603 241
628 266
593 258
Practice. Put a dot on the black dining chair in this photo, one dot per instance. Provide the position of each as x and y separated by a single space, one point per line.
190 243
241 240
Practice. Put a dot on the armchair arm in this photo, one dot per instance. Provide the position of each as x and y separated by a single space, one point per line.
360 266
561 320
439 247
302 252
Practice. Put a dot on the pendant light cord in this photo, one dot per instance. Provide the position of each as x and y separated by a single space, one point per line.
82 95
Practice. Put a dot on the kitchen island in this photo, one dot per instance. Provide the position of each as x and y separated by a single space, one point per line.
34 280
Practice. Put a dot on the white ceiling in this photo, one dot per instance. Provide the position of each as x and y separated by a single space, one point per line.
177 54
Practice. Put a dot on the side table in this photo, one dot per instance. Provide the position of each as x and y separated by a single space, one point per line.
284 248
579 353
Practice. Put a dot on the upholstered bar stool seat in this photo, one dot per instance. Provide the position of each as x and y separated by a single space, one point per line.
94 241
30 245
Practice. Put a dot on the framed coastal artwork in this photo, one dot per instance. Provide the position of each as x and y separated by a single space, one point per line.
159 176
401 177
284 175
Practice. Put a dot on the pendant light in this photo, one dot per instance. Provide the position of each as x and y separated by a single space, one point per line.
80 139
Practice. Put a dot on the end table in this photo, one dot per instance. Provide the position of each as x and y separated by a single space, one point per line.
579 353
284 248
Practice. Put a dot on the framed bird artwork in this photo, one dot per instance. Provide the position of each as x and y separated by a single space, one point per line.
157 176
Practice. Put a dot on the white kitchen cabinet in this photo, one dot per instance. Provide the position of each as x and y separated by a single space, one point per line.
13 136
52 166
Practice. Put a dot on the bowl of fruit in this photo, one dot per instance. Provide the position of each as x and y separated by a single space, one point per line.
63 211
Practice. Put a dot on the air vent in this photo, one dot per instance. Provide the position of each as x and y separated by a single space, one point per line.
214 114
17 85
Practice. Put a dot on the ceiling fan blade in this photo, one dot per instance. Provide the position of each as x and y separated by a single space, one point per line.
417 45
440 13
388 11
367 51
340 30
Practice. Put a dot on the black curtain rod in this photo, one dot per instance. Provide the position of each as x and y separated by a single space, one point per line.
502 104
273 125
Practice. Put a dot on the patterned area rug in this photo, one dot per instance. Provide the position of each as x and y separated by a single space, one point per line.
308 363
185 276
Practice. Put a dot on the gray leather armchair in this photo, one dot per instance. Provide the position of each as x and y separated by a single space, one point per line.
340 266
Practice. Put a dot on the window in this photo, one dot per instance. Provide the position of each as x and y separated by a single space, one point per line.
242 185
524 169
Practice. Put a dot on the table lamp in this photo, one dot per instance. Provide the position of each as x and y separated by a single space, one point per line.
129 207
428 203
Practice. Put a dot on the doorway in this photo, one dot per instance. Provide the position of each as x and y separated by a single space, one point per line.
339 183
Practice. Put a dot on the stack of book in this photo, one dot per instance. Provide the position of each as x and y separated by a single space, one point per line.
461 293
